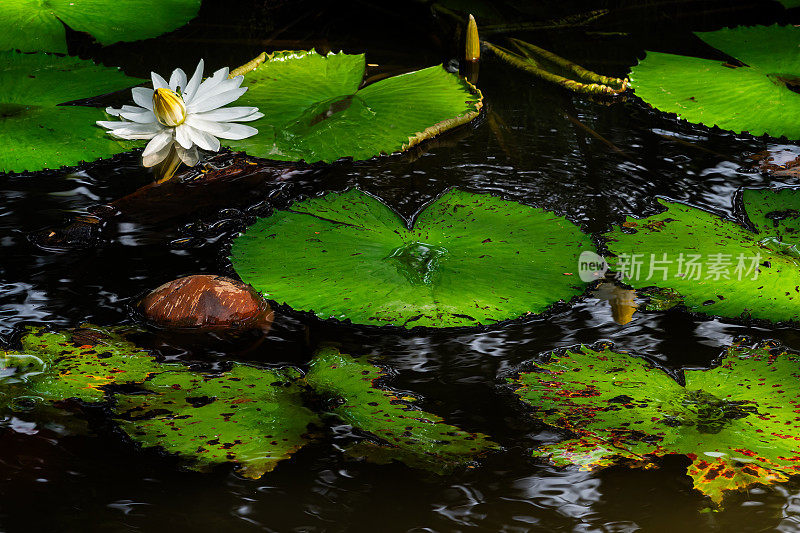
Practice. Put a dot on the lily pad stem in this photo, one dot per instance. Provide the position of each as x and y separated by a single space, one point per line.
249 66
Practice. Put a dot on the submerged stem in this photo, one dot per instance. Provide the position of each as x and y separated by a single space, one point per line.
529 64
585 74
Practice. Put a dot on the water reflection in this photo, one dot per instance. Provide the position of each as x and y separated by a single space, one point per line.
535 145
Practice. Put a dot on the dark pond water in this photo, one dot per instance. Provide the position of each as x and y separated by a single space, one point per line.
593 162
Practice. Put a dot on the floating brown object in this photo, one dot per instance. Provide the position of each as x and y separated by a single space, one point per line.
207 301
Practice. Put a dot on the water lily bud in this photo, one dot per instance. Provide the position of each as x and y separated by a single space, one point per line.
168 107
473 45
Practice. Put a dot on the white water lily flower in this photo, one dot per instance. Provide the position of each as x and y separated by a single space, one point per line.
186 115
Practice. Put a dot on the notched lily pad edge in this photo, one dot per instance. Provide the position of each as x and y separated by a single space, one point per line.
675 118
77 167
544 357
283 308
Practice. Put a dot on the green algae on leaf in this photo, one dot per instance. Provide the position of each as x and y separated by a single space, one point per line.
414 437
715 266
253 417
35 131
37 25
758 96
468 259
318 111
737 422
78 363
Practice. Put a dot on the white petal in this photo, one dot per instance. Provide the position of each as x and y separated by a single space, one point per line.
143 96
143 117
254 116
203 94
158 81
208 126
212 84
157 143
189 156
133 109
182 136
237 131
194 83
177 80
132 134
111 124
218 100
130 130
203 140
155 158
228 113
125 109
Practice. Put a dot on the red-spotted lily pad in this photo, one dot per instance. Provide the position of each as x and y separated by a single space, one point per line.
737 423
403 432
78 363
251 416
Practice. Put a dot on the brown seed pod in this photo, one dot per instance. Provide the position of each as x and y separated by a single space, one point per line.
206 301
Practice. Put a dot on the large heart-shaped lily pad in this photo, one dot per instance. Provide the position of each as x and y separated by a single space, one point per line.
78 363
416 438
759 96
35 131
37 25
468 259
737 423
315 110
717 266
251 416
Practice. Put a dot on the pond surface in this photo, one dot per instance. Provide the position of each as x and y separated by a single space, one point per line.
590 161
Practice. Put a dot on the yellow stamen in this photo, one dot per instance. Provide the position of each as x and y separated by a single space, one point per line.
168 107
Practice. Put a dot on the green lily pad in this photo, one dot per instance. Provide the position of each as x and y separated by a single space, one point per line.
315 111
406 434
36 25
716 266
737 423
77 363
250 416
758 97
35 131
468 259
